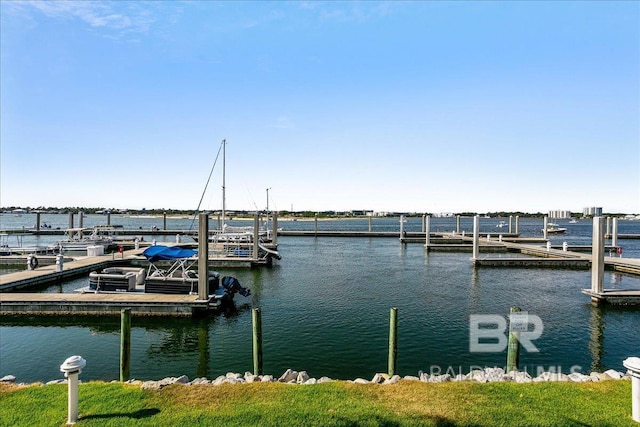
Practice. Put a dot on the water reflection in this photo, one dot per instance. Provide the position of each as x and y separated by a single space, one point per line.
596 337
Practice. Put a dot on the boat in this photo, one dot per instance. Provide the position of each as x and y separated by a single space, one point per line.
555 230
238 241
573 221
502 224
178 278
81 238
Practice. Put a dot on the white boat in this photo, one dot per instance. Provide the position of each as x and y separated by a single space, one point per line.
80 238
237 241
502 224
573 221
178 278
555 230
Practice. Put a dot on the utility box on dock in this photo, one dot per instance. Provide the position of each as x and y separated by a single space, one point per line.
96 250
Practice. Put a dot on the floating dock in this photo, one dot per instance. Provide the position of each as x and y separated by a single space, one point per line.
101 304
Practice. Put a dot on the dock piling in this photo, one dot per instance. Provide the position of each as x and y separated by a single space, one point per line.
614 233
597 256
125 344
203 256
545 223
513 346
427 228
393 342
476 237
256 318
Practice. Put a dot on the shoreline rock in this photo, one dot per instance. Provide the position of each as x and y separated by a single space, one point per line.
290 376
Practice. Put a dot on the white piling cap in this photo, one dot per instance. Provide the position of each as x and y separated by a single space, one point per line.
632 364
73 363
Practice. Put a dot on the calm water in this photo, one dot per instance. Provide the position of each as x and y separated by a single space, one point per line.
325 309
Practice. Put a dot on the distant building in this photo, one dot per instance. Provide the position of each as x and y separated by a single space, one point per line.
592 211
558 214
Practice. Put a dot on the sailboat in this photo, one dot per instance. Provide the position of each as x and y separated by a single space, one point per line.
236 241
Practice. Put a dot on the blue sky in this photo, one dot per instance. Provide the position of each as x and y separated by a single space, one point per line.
390 106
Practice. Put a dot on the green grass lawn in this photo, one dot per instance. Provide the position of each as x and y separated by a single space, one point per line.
332 404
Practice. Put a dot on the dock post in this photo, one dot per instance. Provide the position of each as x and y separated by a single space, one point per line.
59 262
402 228
608 229
427 232
370 225
164 221
423 223
614 233
256 318
510 223
565 246
457 224
315 224
125 344
476 237
274 232
37 221
513 346
597 256
393 342
517 224
545 221
70 221
256 235
108 218
203 256
80 219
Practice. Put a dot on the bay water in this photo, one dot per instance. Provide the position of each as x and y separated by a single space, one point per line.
325 309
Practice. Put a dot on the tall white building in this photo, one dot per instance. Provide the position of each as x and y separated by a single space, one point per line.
559 214
592 211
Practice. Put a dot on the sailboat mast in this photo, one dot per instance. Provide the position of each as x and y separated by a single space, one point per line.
224 143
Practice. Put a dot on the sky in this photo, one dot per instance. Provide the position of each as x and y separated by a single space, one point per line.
429 106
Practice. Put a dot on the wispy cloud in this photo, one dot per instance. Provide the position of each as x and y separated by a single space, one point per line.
284 122
115 19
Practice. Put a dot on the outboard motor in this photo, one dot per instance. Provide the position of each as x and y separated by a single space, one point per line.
233 285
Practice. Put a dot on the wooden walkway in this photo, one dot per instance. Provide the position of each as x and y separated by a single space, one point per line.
100 304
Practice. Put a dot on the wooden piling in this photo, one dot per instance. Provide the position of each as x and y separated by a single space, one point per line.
203 256
393 342
256 235
427 228
164 221
545 223
274 231
125 344
513 346
256 318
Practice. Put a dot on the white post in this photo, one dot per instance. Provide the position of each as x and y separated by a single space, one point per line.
427 228
614 233
59 262
544 227
177 238
476 236
458 224
597 255
548 246
401 228
510 223
136 243
517 224
565 246
72 368
633 365
607 230
370 225
315 224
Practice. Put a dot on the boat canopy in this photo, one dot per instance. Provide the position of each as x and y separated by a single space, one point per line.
167 253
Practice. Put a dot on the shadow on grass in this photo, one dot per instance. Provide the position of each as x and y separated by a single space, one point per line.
142 413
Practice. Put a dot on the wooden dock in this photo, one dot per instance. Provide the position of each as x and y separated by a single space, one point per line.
101 304
614 297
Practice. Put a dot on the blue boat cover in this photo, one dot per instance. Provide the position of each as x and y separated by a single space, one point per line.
164 253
